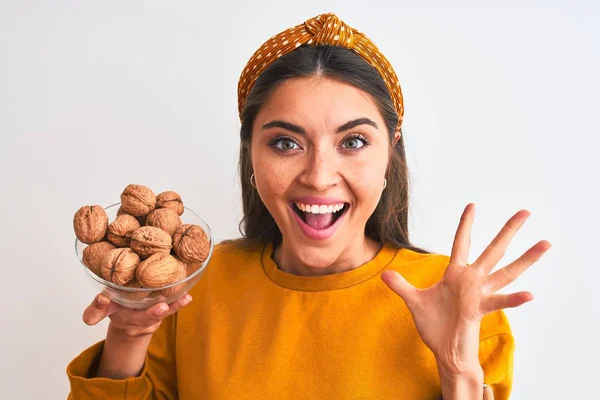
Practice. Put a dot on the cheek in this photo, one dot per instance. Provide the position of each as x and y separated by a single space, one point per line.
365 176
273 179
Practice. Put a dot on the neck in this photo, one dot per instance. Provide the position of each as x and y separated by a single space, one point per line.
288 257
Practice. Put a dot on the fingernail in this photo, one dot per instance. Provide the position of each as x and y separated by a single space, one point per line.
102 300
531 297
185 300
162 309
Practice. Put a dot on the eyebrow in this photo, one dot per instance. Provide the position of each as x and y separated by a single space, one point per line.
299 130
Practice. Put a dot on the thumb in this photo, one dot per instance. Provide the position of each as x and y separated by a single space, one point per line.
400 286
99 309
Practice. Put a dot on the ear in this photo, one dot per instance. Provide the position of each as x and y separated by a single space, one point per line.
397 136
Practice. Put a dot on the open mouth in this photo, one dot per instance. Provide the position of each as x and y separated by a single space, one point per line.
320 217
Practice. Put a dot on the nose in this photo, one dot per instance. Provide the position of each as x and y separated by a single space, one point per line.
321 170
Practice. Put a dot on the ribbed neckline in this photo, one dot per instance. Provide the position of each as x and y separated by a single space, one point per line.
327 282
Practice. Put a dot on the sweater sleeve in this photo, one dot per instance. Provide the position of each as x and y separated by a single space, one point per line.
496 357
496 353
157 380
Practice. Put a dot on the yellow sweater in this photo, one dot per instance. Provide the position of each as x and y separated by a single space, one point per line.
256 332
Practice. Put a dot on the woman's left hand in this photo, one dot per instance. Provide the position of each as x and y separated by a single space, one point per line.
448 314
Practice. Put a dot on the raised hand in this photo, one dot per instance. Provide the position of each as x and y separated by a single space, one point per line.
131 322
448 314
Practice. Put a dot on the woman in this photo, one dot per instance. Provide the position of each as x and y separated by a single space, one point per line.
299 307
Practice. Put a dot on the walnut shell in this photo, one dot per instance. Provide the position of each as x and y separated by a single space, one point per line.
90 224
170 199
135 296
191 244
119 265
137 200
191 268
94 254
147 240
181 275
160 269
141 220
120 230
165 219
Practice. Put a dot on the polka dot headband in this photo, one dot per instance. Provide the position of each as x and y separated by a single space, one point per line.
324 29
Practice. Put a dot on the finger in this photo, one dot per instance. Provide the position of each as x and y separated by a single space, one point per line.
512 271
131 318
496 249
401 287
462 238
163 310
154 315
501 301
100 308
139 318
178 305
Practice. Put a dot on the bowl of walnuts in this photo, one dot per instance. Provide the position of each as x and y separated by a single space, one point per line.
144 250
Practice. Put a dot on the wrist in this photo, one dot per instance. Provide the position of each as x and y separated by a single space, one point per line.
466 384
123 355
458 367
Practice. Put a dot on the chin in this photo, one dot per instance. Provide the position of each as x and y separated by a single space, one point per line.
316 249
318 255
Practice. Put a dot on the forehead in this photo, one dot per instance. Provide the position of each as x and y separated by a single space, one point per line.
314 100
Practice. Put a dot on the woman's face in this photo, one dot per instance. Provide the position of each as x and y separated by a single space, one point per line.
319 155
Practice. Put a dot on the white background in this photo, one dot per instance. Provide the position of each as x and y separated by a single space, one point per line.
500 110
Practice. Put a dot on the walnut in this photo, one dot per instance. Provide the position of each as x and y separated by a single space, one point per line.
141 220
137 200
90 223
134 296
94 254
170 200
160 269
147 240
181 275
119 265
165 219
120 230
191 244
191 268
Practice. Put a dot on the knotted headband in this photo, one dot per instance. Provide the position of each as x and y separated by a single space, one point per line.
324 29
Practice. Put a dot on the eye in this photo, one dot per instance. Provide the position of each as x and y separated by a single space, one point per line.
355 142
284 144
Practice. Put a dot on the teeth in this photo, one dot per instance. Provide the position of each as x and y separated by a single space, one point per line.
320 209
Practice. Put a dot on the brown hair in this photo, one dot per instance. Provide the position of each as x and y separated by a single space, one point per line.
389 221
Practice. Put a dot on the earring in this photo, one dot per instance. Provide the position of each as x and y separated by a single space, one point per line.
252 177
384 183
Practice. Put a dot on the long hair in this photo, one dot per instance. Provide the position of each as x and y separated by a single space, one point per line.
389 222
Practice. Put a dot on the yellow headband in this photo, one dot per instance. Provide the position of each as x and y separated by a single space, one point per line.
324 29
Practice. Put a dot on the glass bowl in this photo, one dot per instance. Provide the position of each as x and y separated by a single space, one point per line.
141 298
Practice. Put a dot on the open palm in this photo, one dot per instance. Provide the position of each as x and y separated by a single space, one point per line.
448 314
